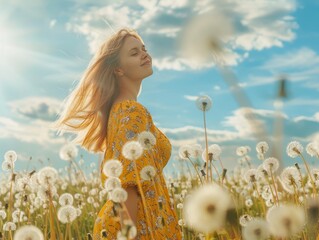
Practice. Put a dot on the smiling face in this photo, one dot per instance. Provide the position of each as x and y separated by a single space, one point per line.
135 62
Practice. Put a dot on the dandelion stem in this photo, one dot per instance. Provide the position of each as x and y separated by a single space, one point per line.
274 184
309 173
206 144
143 200
195 170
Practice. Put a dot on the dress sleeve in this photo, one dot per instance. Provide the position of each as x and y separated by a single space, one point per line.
132 120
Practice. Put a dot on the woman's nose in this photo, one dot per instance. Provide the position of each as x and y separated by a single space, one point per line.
144 55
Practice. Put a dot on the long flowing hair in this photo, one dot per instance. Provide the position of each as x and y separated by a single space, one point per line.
87 108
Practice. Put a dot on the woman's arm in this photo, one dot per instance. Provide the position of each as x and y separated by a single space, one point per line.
131 202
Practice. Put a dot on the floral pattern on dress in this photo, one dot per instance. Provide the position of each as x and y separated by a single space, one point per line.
127 119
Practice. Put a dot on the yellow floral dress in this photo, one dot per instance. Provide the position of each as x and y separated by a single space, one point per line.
127 119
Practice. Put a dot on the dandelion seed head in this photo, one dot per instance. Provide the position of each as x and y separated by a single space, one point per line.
204 103
251 175
28 232
185 151
66 199
312 149
242 151
214 152
3 214
294 149
148 173
196 150
68 152
285 220
146 139
262 147
112 168
9 226
7 166
271 164
67 214
132 150
203 38
205 209
249 203
256 229
290 176
244 219
47 176
10 156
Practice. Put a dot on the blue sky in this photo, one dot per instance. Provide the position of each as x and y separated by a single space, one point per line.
46 46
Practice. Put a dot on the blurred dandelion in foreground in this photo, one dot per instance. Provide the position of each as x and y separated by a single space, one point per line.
132 150
285 220
245 219
206 208
205 35
28 232
256 229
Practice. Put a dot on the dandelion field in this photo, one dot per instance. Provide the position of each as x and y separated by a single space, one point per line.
249 202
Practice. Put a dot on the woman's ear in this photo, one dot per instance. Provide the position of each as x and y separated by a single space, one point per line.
119 72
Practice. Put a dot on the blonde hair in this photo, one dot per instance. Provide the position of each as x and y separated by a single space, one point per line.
87 108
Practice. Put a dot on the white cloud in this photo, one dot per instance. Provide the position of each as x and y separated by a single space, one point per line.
52 23
300 59
38 132
160 23
191 98
297 65
44 108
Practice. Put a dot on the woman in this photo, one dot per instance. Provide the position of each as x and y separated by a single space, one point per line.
106 103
